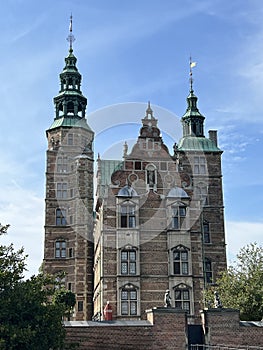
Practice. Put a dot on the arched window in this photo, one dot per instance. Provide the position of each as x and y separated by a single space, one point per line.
129 301
181 260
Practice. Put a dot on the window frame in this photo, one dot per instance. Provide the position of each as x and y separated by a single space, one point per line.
179 213
180 258
199 165
61 217
183 299
208 272
206 232
61 249
62 190
127 215
129 303
128 264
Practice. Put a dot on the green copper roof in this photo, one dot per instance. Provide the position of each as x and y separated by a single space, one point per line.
70 122
107 168
191 143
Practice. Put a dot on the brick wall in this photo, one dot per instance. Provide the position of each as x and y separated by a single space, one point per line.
223 326
163 329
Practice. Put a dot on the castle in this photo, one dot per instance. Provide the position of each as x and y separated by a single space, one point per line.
154 222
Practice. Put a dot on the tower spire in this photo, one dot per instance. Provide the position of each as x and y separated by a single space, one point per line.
70 37
191 65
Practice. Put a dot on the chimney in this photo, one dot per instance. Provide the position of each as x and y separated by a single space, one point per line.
213 136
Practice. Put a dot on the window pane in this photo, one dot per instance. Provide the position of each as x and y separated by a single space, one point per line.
182 211
131 210
196 169
131 221
133 308
132 268
124 268
124 308
124 255
186 306
185 295
57 253
185 268
124 295
133 295
176 255
177 295
177 268
133 255
123 221
184 255
124 209
63 253
175 222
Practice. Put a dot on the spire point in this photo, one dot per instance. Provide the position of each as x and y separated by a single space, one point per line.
70 37
191 65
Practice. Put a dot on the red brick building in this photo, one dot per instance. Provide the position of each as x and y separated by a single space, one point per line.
159 220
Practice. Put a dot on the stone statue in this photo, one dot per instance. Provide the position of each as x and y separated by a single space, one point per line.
167 299
217 301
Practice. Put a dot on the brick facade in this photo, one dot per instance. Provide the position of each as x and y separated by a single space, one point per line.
166 328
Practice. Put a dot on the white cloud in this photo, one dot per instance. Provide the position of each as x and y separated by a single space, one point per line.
239 234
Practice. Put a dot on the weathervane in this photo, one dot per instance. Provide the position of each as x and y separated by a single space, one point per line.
70 37
191 65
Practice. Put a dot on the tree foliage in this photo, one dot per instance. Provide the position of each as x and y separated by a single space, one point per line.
241 286
29 316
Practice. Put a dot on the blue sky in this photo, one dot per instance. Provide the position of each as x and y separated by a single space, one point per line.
130 52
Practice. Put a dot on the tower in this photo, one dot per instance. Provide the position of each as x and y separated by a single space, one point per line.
68 246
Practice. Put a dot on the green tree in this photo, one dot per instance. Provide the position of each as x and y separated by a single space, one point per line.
66 298
241 286
29 317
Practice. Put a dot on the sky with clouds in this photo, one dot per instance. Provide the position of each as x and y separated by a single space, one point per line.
129 53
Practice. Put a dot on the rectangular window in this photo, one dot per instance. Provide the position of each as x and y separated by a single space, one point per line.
208 271
128 216
138 165
70 139
62 164
199 165
61 217
182 299
80 306
128 262
206 232
163 166
62 190
178 215
60 249
180 262
129 302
